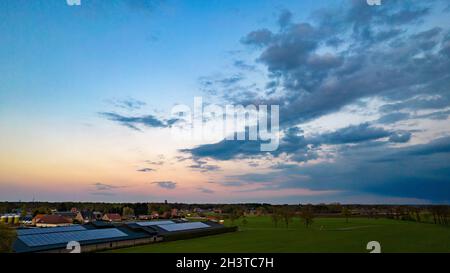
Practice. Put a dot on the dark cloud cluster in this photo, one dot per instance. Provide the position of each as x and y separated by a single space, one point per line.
205 190
418 171
393 117
203 165
400 137
384 55
240 64
146 170
210 84
133 122
354 134
128 103
395 52
296 144
104 189
197 162
166 184
259 37
159 163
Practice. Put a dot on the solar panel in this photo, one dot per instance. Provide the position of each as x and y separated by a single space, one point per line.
184 226
155 223
65 237
31 231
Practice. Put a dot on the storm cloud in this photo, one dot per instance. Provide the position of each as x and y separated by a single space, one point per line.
394 54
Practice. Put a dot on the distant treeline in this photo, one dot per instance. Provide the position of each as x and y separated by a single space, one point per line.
437 213
139 208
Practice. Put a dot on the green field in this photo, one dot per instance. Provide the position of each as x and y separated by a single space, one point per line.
325 235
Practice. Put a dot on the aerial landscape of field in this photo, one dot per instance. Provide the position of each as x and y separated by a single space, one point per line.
325 235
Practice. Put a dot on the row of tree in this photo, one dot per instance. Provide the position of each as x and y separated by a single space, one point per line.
287 214
438 214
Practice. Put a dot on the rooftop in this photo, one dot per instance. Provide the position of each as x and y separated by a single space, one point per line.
43 239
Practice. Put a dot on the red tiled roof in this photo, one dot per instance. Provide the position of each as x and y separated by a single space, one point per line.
39 216
52 219
113 216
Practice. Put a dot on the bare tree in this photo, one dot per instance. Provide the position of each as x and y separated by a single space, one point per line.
307 215
275 216
286 214
346 213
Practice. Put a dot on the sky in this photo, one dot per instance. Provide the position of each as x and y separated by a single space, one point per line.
86 94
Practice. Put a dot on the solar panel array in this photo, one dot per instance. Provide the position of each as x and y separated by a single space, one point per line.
31 231
65 237
184 226
155 223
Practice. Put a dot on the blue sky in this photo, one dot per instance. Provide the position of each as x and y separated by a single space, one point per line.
363 90
117 48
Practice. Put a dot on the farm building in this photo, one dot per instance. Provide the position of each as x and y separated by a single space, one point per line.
45 220
112 217
103 235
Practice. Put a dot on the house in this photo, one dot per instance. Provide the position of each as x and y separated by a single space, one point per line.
67 214
145 217
174 213
84 216
37 218
165 215
199 210
112 217
212 218
53 220
155 215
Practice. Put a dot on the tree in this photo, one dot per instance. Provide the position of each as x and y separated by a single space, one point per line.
417 212
275 217
151 208
41 210
23 211
163 208
346 213
244 221
62 207
286 214
399 213
7 237
307 215
235 214
261 211
127 212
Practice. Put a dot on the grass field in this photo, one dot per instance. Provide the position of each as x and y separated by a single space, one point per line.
325 235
